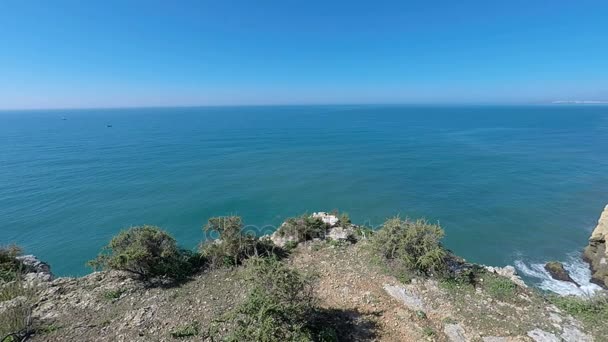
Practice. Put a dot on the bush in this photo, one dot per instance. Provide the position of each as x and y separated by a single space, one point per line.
10 267
413 245
147 252
233 246
303 227
363 232
278 308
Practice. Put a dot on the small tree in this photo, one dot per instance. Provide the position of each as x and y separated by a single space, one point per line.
147 252
304 228
233 246
414 244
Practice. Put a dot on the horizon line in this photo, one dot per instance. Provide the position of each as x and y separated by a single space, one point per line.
443 104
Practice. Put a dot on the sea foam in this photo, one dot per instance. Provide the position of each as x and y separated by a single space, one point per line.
579 272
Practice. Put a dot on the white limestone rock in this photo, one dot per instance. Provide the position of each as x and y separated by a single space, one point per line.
409 298
340 233
331 220
538 335
507 272
455 332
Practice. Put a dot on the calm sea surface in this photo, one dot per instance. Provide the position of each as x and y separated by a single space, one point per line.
508 184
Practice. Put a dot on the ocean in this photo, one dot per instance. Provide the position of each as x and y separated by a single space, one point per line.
509 184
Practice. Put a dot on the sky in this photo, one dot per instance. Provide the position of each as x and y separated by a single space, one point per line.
74 54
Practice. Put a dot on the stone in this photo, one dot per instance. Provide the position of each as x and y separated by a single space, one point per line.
558 272
573 334
330 220
340 233
280 239
410 299
12 304
37 270
508 272
596 253
455 332
538 335
495 339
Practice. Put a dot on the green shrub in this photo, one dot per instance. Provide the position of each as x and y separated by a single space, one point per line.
233 245
343 217
415 245
304 228
592 311
10 266
363 232
112 294
147 252
278 307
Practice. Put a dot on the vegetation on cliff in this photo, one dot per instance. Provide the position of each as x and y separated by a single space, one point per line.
395 283
278 307
10 266
412 246
233 245
148 252
16 296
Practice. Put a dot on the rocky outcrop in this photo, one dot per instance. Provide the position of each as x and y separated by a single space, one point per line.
330 220
558 272
284 236
36 269
508 272
280 239
341 233
596 253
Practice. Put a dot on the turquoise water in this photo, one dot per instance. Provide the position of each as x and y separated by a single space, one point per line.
507 183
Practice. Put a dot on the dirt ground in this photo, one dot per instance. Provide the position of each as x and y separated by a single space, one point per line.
360 298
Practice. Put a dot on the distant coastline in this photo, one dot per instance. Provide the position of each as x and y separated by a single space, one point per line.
579 102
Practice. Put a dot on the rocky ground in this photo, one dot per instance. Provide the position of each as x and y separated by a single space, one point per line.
363 301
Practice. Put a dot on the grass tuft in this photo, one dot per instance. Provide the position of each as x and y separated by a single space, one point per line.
592 311
185 331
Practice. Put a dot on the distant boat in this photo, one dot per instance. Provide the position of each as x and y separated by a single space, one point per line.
108 125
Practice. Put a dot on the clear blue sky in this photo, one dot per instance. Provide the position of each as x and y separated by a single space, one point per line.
158 53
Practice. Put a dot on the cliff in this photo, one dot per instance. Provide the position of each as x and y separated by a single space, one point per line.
596 253
348 292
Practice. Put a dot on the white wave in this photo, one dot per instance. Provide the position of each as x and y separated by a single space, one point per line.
579 272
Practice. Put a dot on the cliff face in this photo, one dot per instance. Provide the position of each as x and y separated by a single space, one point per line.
596 253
